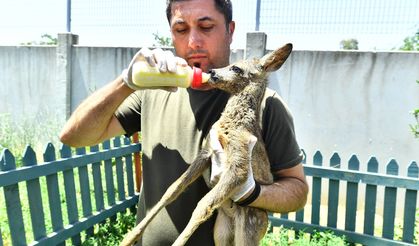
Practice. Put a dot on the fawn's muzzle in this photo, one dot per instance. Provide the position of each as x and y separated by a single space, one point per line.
214 77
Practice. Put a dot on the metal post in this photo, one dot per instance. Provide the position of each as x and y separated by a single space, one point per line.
68 15
257 15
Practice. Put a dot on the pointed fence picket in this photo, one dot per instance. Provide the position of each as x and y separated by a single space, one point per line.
65 200
390 197
317 186
392 183
34 197
351 192
333 197
410 212
12 199
70 193
370 200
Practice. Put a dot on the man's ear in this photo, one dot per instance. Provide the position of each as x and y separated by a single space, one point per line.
274 60
231 28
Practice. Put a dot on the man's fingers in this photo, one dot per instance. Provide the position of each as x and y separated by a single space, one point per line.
171 61
147 55
161 60
165 61
181 62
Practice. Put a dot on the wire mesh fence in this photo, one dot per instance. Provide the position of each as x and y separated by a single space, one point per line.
309 24
374 23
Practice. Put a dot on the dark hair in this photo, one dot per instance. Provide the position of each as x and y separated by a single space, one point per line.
223 6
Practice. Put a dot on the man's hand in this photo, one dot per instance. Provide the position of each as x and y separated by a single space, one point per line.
165 61
218 159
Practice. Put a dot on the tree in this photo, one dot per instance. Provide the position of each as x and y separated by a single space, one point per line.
411 43
46 39
349 44
161 40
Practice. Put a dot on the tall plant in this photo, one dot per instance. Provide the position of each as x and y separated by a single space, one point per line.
415 127
16 134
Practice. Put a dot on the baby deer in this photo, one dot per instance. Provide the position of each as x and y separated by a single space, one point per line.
246 81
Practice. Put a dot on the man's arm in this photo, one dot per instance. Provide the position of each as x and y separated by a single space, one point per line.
93 121
288 193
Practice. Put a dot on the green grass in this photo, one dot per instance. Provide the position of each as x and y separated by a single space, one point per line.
111 232
284 236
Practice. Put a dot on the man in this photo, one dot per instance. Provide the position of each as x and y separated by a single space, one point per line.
174 124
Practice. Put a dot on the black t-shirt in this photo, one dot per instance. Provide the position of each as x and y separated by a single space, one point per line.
173 127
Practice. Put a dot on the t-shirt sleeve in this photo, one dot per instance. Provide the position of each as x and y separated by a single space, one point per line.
129 114
279 135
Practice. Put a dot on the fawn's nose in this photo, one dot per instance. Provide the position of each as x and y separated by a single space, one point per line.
213 75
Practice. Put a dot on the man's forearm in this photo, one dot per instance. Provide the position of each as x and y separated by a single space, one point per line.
90 121
285 195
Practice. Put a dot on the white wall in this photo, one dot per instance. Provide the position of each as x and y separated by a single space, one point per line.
27 81
353 103
348 102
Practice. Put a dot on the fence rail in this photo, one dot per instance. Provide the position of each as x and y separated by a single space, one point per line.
57 178
67 218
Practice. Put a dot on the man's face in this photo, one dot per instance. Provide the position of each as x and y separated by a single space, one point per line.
199 34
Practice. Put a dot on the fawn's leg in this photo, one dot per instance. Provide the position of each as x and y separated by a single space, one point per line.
189 176
205 208
224 225
250 226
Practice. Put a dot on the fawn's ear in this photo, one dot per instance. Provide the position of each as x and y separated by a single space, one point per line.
274 60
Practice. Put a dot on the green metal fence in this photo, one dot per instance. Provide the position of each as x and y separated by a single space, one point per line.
105 173
358 182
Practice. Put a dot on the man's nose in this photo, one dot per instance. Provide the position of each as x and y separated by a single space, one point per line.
195 39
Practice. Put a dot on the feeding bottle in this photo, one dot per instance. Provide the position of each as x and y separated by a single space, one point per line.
144 75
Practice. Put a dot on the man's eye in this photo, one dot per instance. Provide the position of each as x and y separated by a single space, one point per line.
236 70
180 30
207 28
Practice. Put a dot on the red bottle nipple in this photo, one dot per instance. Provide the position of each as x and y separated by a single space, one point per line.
196 78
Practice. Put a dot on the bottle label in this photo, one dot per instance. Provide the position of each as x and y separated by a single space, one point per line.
145 75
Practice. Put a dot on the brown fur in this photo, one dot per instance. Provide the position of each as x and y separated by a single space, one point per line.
235 225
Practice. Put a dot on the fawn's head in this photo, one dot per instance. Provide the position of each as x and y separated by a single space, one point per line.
235 77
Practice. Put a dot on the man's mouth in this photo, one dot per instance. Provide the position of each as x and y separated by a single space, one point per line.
197 56
196 60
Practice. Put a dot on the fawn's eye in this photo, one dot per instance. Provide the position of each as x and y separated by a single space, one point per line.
236 69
